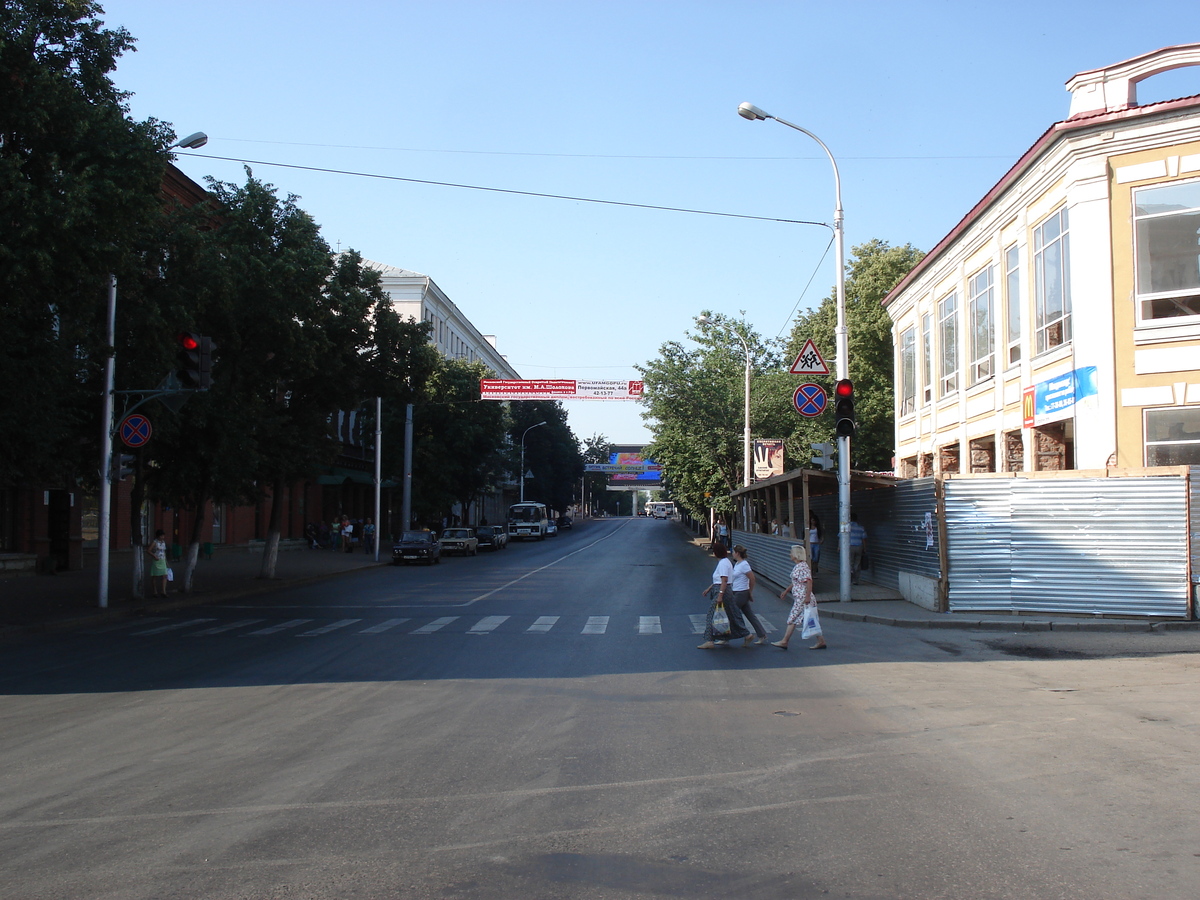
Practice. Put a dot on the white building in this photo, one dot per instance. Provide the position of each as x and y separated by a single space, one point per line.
417 297
1058 325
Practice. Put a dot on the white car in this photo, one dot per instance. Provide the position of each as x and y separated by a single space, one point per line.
551 528
460 540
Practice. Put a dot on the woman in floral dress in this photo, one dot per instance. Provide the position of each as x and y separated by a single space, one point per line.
802 595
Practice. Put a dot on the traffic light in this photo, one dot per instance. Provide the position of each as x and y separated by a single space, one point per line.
824 456
194 361
843 408
122 465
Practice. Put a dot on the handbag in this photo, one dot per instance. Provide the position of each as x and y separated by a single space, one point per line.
170 574
810 625
720 619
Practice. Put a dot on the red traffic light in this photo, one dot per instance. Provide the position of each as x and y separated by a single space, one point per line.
844 388
188 341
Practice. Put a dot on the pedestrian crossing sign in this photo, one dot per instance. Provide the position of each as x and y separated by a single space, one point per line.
809 361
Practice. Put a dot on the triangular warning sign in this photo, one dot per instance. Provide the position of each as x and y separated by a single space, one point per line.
809 361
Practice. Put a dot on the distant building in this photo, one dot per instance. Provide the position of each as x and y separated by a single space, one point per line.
417 297
1058 325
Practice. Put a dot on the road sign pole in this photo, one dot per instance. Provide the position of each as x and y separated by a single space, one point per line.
106 442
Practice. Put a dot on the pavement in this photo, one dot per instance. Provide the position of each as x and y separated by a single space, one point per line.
41 603
44 603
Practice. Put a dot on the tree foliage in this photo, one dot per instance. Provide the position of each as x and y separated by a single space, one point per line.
552 452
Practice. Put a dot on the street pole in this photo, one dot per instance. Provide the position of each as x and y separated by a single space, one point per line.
406 498
527 430
378 472
106 439
752 112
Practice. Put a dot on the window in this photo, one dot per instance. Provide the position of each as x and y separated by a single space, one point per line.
1052 282
908 371
1012 299
926 358
979 308
948 335
1173 437
1167 241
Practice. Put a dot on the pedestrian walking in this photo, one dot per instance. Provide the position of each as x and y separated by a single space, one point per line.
858 547
369 536
158 565
742 584
347 535
802 596
814 541
723 534
720 594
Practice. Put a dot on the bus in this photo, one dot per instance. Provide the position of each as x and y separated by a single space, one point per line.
661 509
527 520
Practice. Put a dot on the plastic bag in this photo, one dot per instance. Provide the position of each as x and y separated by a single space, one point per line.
170 574
720 620
810 625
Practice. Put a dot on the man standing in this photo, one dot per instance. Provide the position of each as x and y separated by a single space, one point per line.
858 545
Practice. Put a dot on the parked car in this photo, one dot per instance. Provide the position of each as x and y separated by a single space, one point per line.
460 540
551 528
564 523
417 546
491 537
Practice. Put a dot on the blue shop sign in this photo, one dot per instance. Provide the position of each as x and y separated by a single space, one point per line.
1055 398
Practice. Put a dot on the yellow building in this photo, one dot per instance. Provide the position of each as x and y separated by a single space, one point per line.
1058 325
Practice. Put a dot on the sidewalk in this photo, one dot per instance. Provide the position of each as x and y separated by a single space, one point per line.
883 606
33 603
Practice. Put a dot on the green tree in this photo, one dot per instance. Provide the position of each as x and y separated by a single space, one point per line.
596 450
874 269
79 200
552 452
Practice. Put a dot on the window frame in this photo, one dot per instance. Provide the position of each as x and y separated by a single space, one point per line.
1058 247
1012 304
926 359
908 370
947 326
1143 299
1147 443
981 362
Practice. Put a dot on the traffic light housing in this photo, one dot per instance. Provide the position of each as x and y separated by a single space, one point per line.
843 408
122 465
194 361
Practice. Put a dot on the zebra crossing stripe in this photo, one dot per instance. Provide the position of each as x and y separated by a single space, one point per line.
173 626
230 626
487 624
767 626
383 626
698 623
649 625
596 625
282 626
542 625
435 625
332 626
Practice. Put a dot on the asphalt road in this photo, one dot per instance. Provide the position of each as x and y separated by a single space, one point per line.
538 723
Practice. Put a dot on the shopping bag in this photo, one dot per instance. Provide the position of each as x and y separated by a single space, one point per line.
720 623
811 624
170 574
865 562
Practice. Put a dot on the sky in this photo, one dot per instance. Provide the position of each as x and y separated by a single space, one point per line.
924 105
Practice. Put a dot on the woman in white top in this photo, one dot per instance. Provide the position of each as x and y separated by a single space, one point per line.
814 540
720 592
742 583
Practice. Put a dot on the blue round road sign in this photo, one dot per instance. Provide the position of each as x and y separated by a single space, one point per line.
135 430
810 399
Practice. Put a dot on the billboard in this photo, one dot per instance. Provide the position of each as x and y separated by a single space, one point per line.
629 469
558 389
768 458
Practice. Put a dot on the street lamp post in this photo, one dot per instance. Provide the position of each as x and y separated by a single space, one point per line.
527 430
753 113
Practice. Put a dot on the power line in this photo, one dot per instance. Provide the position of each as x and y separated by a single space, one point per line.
496 190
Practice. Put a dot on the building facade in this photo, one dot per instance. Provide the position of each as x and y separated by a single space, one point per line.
1058 325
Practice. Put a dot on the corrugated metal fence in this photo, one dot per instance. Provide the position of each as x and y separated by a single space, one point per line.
1114 546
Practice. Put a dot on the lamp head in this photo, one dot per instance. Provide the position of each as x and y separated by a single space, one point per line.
191 142
703 320
751 112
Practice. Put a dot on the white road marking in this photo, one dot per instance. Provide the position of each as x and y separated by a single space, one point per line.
282 626
383 626
174 625
229 626
542 625
698 623
332 626
649 625
596 625
487 624
435 625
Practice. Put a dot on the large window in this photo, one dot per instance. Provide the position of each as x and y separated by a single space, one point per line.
1012 300
908 371
948 337
926 358
1167 237
979 308
1052 282
1173 437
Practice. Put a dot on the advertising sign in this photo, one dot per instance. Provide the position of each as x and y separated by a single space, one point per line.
558 389
1055 398
768 458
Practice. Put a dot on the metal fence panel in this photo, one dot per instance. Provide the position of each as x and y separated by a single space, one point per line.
1099 546
1194 524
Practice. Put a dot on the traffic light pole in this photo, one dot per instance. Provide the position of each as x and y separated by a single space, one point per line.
106 441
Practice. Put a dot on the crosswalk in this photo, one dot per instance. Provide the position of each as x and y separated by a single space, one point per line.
486 625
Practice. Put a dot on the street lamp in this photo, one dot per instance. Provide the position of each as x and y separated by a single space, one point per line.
746 452
527 430
753 113
191 142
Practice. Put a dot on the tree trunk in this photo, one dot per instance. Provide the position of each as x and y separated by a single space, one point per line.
193 553
271 549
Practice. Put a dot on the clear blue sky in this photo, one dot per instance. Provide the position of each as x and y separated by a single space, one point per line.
925 105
